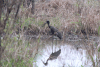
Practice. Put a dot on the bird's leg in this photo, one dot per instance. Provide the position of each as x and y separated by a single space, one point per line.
56 44
52 44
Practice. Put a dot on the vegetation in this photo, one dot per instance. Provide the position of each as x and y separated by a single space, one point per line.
21 17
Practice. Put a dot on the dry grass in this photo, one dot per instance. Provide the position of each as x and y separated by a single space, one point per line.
65 14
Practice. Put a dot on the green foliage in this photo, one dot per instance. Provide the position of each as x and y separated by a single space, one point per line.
15 38
31 61
99 50
5 30
77 5
96 44
13 50
1 18
88 2
92 58
39 39
99 30
27 22
82 66
22 7
75 22
7 25
1 44
9 18
18 63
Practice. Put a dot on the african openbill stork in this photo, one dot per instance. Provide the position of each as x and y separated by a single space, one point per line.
53 56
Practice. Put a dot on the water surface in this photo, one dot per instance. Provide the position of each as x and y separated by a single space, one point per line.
73 53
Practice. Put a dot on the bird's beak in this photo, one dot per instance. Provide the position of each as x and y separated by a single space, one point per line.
44 63
43 24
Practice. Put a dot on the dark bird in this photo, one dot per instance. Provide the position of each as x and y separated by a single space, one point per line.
53 56
54 31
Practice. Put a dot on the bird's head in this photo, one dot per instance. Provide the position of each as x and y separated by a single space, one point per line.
45 63
48 22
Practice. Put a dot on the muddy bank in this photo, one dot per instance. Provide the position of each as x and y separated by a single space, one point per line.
34 30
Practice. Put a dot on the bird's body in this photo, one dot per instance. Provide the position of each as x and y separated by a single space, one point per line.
53 56
52 29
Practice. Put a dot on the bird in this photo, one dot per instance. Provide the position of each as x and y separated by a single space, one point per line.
52 56
53 30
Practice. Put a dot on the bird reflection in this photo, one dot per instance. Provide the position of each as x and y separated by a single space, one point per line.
53 56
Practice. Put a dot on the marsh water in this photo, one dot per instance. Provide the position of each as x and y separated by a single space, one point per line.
75 52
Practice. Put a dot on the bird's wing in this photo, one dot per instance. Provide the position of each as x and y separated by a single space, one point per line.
53 28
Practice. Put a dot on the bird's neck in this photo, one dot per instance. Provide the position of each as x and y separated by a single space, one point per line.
48 25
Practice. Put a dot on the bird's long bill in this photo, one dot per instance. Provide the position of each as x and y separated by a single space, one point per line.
43 24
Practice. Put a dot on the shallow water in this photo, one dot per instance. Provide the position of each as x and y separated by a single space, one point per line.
73 54
69 57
